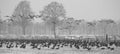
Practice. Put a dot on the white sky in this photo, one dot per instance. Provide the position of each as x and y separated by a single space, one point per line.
79 9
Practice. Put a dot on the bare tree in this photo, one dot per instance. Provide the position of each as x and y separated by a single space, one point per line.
51 14
0 23
22 14
91 26
68 24
77 28
8 23
106 22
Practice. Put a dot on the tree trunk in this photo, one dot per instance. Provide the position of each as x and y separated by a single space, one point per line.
0 28
33 33
70 32
107 37
6 28
23 30
115 38
54 29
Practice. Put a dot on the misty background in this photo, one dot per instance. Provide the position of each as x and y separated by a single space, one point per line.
80 17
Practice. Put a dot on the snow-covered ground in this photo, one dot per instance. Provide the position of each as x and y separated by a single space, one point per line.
60 51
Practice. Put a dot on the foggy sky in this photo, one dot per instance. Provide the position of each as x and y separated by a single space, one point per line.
79 9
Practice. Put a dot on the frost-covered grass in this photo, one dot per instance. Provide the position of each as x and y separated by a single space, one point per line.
60 51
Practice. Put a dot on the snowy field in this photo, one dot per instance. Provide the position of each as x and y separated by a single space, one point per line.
60 51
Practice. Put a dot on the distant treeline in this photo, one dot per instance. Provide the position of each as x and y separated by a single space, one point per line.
53 22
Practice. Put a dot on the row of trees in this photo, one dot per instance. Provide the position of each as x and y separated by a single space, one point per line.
54 22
